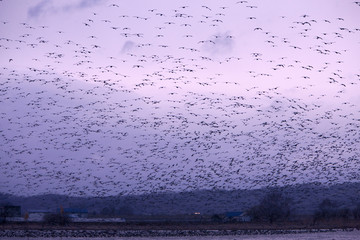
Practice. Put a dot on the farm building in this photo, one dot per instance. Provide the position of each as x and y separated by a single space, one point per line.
74 212
237 216
37 215
10 211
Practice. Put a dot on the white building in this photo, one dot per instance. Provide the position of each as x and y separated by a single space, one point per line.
37 215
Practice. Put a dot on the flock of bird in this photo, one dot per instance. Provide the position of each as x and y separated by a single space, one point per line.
178 98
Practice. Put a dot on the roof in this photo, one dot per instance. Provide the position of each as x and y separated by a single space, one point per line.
233 214
10 206
74 210
39 211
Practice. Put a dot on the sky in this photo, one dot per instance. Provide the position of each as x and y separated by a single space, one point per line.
103 98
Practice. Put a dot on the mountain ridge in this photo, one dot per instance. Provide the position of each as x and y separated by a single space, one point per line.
305 199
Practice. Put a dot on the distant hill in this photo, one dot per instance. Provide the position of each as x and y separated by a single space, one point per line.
305 199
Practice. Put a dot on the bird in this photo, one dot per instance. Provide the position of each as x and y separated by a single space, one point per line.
130 102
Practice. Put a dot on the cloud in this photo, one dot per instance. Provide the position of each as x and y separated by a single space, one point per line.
48 6
128 45
88 3
81 5
39 9
219 44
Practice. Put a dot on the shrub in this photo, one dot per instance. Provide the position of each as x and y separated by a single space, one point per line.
57 219
216 218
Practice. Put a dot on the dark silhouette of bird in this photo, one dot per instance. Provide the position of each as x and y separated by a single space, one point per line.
174 98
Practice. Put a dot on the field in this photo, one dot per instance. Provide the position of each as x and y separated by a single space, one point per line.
298 225
169 229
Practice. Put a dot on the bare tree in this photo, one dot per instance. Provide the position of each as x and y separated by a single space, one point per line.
272 207
356 211
327 209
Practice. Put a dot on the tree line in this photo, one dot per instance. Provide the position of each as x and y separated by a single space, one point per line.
275 206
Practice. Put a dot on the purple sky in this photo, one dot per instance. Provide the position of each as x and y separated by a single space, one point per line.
130 97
